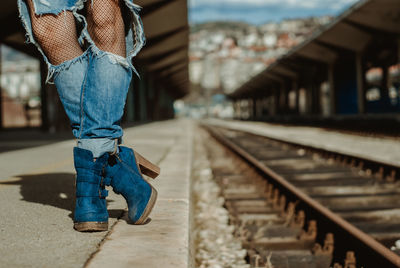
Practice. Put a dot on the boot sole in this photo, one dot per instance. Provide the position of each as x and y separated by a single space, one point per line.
91 226
149 207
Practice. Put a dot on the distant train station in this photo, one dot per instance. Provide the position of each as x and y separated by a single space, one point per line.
349 67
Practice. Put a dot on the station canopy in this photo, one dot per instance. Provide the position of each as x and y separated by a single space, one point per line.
165 54
352 31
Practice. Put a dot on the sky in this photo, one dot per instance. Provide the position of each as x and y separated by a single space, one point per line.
261 11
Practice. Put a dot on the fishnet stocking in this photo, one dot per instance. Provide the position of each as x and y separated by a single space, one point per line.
56 34
106 25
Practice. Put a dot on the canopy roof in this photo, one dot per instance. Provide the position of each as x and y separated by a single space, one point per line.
352 31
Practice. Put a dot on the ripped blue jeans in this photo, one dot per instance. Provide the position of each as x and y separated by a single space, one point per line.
92 87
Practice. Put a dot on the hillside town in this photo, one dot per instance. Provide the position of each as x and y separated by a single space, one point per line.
224 55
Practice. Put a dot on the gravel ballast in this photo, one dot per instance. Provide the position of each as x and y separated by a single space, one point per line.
213 239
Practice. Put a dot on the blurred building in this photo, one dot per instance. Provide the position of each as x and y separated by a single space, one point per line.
225 55
238 51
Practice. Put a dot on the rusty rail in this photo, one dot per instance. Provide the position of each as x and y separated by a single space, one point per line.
347 236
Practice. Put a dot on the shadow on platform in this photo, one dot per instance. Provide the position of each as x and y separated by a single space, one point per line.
16 139
53 189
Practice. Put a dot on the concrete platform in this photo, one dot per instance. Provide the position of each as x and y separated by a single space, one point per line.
37 199
385 150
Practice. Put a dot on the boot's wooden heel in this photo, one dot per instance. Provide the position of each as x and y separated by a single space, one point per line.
146 167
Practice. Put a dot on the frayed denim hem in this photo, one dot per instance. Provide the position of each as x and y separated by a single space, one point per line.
56 69
98 147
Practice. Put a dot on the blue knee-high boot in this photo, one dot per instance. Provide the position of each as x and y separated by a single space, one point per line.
124 175
90 206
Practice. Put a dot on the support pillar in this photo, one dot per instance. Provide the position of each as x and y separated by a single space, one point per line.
282 98
43 97
1 95
296 89
254 107
285 92
384 83
360 83
309 99
239 107
275 101
234 105
332 91
130 104
142 103
398 50
237 113
250 107
315 98
263 107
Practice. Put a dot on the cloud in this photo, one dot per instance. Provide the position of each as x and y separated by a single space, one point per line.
259 11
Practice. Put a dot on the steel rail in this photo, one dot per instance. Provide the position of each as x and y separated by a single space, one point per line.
377 254
366 160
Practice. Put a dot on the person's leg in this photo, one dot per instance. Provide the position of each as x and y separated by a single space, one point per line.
106 26
51 27
106 87
108 78
56 35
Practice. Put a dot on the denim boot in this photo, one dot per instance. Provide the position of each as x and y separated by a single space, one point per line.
90 206
124 175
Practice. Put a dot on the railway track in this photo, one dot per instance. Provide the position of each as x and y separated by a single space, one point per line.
300 207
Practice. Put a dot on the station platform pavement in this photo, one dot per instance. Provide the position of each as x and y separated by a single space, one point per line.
37 199
385 150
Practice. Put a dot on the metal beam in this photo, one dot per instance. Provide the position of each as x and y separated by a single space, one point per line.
151 6
380 15
282 70
167 67
145 3
371 30
174 69
177 57
178 76
346 36
273 77
318 53
157 58
166 42
165 19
